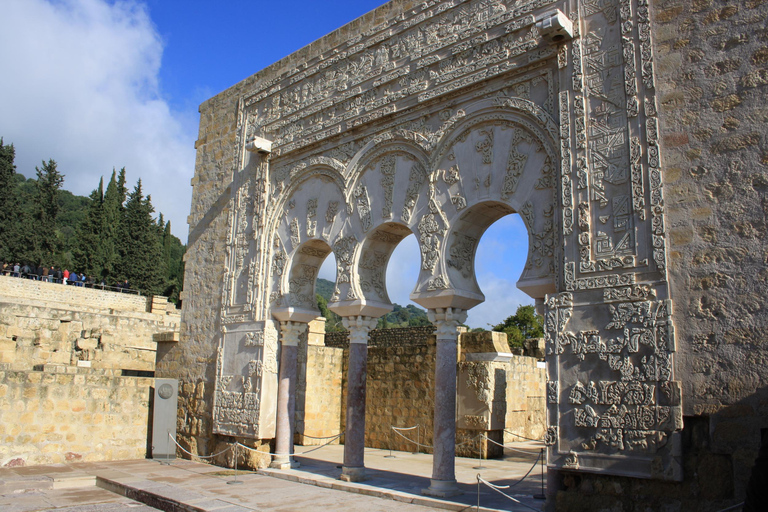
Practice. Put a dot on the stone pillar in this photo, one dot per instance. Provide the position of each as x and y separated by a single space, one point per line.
353 469
443 482
286 395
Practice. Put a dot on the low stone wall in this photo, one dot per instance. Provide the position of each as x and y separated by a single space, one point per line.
67 294
400 390
527 399
77 416
70 361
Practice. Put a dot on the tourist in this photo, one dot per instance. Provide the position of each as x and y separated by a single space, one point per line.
26 271
57 276
65 276
16 270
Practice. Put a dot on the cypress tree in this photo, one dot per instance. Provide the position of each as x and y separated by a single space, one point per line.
49 181
140 246
111 228
9 218
88 252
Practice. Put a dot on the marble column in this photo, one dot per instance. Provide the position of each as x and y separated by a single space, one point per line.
353 469
443 482
290 333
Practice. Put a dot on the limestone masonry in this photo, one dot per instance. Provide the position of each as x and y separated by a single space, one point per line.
74 371
629 136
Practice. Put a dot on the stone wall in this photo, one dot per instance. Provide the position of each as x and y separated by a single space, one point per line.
711 59
68 294
400 390
70 361
319 389
52 417
526 399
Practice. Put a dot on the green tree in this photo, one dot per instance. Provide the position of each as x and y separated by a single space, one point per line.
524 324
9 204
333 321
49 182
141 259
114 197
89 253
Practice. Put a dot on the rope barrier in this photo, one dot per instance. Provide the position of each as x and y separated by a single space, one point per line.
498 488
523 437
403 428
292 454
506 447
411 440
253 449
195 455
734 507
328 437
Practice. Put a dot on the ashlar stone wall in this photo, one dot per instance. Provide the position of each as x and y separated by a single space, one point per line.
493 395
65 356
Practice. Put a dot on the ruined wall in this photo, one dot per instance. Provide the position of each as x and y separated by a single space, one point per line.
319 388
79 415
711 62
400 391
527 399
64 352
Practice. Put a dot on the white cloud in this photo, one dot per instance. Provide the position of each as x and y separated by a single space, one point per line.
80 86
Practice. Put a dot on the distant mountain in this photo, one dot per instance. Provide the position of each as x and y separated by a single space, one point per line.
408 316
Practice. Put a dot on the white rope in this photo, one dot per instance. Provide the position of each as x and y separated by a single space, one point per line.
291 454
498 488
253 449
523 437
328 437
411 440
403 428
734 507
198 456
509 447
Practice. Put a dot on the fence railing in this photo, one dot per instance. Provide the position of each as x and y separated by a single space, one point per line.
81 284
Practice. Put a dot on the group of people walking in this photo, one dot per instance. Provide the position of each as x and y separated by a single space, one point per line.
55 275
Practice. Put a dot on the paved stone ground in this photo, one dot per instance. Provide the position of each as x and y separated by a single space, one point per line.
395 484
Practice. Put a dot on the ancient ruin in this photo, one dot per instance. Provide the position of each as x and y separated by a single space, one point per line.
437 119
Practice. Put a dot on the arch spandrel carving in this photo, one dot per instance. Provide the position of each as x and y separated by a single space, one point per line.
425 129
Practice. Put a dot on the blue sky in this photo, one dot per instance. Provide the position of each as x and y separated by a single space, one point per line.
98 84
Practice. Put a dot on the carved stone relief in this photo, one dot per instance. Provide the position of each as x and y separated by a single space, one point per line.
414 84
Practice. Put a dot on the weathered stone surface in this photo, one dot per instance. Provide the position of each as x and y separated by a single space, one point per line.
438 118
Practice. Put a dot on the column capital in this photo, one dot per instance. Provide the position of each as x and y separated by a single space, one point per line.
359 326
446 320
290 332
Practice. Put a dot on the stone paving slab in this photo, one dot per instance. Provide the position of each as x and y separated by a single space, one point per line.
395 483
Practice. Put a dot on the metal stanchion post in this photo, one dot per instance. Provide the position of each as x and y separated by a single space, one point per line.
541 496
479 452
418 439
235 481
478 493
390 456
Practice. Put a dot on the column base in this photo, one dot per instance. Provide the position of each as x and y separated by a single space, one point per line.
442 489
284 463
353 474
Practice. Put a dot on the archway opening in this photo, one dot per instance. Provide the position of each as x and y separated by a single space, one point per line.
500 259
325 286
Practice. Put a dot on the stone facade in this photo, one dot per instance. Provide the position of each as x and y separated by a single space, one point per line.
74 367
712 72
626 133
